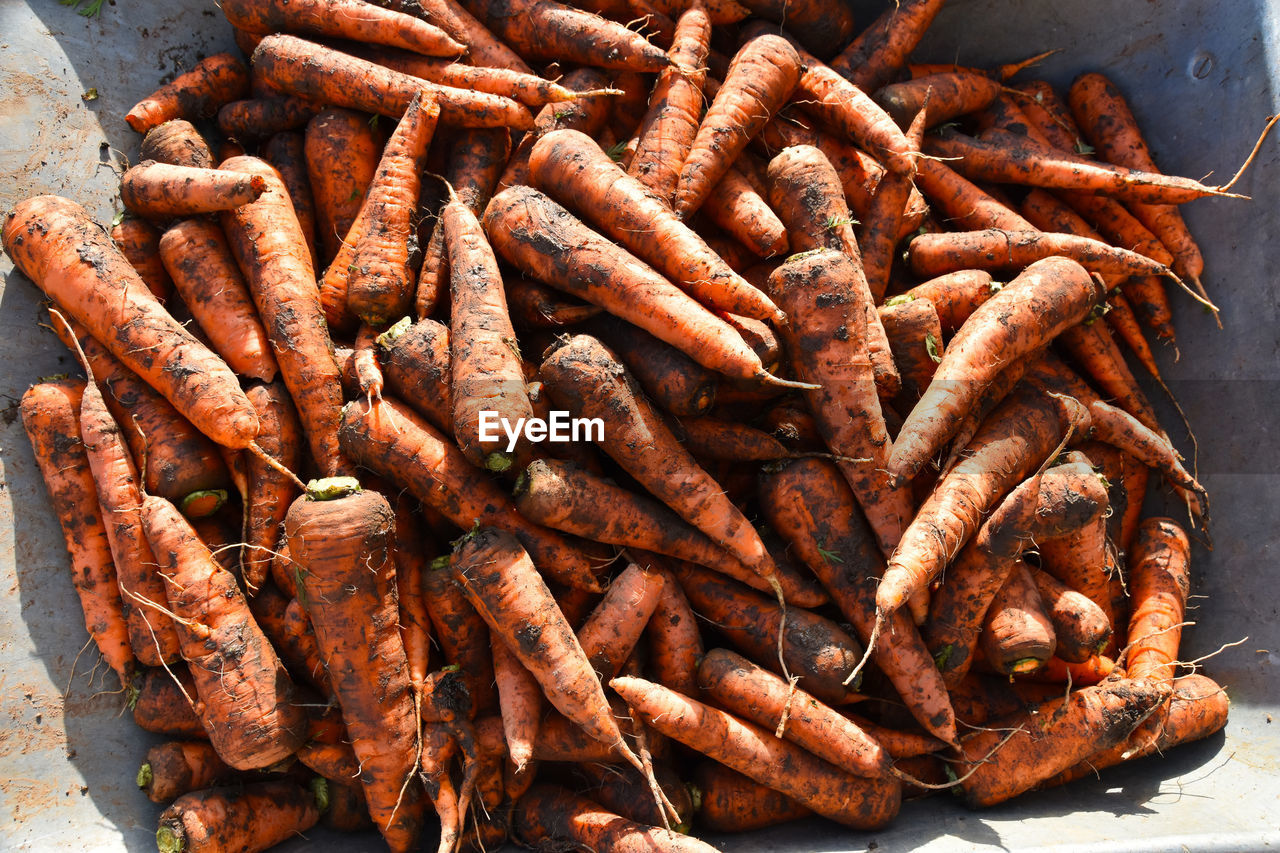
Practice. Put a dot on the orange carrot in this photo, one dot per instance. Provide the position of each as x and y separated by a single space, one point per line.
963 203
259 118
461 633
416 364
587 113
1159 581
139 242
272 253
551 816
528 89
270 492
196 94
253 817
546 31
1017 634
871 59
197 256
50 240
164 703
1080 626
483 47
949 94
520 702
51 418
738 208
342 152
159 190
615 626
761 78
178 142
178 767
1049 296
535 306
731 802
342 19
673 381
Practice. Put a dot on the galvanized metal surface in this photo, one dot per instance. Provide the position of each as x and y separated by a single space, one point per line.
1202 78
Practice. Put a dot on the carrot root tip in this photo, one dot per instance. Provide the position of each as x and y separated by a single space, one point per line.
769 379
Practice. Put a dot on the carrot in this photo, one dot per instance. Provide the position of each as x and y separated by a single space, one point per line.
142 592
412 550
584 377
535 306
1108 123
195 94
964 204
764 73
416 364
736 206
716 438
823 27
235 670
623 791
391 440
1007 158
273 256
287 626
948 94
528 89
342 153
1015 439
55 244
812 647
674 642
486 375
549 815
828 345
1080 626
524 226
380 284
878 236
461 633
1049 296
762 697
1159 581
502 584
570 167
993 249
1136 477
813 509
955 296
51 418
668 128
483 47
672 380
251 818
342 19
368 378
178 767
340 536
270 492
587 114
719 11
731 802
871 59
305 69
1017 633
520 701
178 142
159 190
139 242
1084 560
851 800
614 627
196 255
164 703
1053 737
915 339
546 31
259 118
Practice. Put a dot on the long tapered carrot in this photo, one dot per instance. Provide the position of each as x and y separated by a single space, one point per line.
762 76
341 539
342 151
306 69
390 439
828 345
528 89
51 418
1159 582
270 492
615 625
195 94
380 283
964 203
159 190
1048 297
525 226
667 130
204 272
546 31
851 800
871 59
343 19
273 255
483 47
878 236
54 242
570 167
235 670
584 376
993 250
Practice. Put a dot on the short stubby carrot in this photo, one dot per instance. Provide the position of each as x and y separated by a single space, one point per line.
273 255
342 19
573 169
178 142
53 241
1048 297
179 767
237 674
195 94
762 76
1017 633
159 190
51 418
854 801
253 817
196 254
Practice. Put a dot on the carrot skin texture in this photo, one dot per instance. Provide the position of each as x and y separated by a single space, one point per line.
762 76
1080 626
732 802
571 168
270 492
519 702
963 203
164 703
994 249
1048 297
236 672
870 60
51 418
345 19
178 142
205 274
587 114
56 245
548 814
196 94
483 47
673 381
273 255
391 440
348 587
853 801
248 819
1159 582
341 153
417 366
1017 633
614 628
302 68
463 636
546 31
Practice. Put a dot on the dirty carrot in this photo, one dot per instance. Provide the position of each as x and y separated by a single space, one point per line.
342 152
342 19
614 628
415 360
178 767
552 816
178 142
1159 582
871 59
252 817
1017 633
731 802
195 94
270 492
546 31
159 190
139 241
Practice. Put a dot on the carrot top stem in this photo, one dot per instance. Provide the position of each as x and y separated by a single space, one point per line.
331 488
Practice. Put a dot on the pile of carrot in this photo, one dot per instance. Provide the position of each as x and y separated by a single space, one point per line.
852 509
